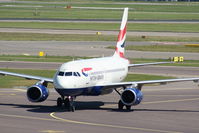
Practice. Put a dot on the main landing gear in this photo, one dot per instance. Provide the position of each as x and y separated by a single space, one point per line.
120 103
121 106
68 102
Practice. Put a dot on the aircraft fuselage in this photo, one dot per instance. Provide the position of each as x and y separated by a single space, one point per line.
82 77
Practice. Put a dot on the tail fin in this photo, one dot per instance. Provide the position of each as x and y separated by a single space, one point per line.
119 51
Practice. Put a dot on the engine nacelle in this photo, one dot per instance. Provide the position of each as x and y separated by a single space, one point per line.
37 93
131 96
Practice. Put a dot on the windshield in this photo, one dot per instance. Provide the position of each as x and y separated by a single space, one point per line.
76 74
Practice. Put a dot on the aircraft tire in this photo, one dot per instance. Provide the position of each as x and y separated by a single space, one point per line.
72 109
120 105
128 107
67 103
59 102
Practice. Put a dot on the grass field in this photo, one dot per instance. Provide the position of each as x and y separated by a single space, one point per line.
9 81
62 59
7 36
167 27
186 63
137 11
164 48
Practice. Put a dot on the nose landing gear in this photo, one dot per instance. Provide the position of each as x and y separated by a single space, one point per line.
68 102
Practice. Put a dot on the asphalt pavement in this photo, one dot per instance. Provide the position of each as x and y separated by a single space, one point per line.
85 48
173 108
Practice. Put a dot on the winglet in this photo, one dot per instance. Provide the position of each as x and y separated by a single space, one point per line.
119 51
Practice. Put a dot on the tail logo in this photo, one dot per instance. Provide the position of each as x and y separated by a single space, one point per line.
119 52
121 36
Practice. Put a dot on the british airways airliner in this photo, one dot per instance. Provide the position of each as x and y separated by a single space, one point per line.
93 77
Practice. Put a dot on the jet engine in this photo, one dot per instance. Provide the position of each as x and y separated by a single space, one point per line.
37 93
131 96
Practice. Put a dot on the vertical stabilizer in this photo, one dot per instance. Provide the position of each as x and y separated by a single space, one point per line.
119 50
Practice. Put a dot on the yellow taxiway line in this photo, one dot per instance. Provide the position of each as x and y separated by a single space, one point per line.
108 125
57 119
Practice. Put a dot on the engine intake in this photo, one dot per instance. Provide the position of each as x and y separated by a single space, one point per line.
37 93
131 96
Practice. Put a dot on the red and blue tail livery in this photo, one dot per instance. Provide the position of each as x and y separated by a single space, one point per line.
119 51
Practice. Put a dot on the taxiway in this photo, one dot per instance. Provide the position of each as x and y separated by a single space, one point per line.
172 108
166 109
85 48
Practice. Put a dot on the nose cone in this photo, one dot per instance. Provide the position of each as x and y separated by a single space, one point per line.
63 82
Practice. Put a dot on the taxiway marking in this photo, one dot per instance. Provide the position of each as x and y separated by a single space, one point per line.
168 89
172 95
12 94
28 117
57 119
51 131
171 101
154 102
4 91
107 125
21 90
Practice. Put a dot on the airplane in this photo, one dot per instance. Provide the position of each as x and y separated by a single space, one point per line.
93 77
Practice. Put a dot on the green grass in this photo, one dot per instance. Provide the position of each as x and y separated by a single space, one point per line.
162 7
138 11
53 37
168 27
164 48
7 36
62 59
161 48
140 77
9 81
186 63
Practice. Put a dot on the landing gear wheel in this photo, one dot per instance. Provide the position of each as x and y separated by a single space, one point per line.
72 108
71 105
67 103
59 102
128 107
120 105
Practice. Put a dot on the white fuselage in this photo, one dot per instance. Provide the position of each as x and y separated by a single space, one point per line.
90 72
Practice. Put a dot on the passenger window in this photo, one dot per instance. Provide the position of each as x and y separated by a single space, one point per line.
68 73
61 73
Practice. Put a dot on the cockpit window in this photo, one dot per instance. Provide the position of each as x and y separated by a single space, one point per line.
61 73
75 74
68 73
78 74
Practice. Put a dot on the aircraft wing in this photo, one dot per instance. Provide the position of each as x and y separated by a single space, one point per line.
153 63
26 76
141 83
